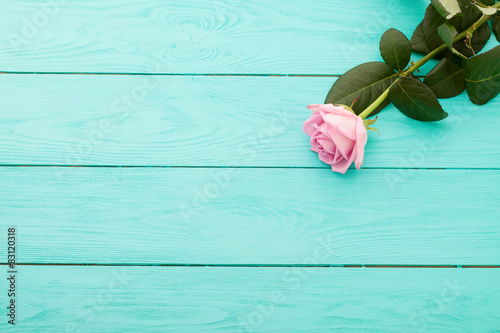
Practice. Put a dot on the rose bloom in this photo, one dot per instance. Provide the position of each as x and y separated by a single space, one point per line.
337 135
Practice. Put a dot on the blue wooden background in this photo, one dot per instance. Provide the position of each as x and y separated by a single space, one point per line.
154 164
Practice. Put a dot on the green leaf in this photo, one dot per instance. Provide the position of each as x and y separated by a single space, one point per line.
466 3
480 36
483 5
448 33
496 27
366 82
447 8
482 75
418 42
395 49
455 52
433 20
486 2
416 100
486 10
447 79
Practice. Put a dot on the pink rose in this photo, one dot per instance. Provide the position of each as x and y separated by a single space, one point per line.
337 135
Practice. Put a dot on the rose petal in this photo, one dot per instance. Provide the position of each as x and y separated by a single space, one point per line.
341 166
326 158
361 139
345 163
321 107
312 123
314 108
317 135
342 143
338 156
337 135
343 124
328 145
338 110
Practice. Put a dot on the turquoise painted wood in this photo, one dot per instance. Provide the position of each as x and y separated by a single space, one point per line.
218 299
197 36
216 121
201 161
253 216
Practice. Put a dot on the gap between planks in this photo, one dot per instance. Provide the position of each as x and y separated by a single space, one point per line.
182 74
259 265
221 167
171 74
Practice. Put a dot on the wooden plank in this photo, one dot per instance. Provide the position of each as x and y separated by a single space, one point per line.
198 36
222 299
252 216
216 121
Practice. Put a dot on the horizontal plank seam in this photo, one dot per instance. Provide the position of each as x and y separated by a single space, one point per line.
171 74
221 167
259 265
179 74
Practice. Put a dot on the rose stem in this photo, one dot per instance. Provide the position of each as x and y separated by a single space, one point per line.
424 60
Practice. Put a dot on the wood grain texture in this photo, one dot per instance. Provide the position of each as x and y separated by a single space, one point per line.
252 216
231 184
216 121
198 36
198 299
